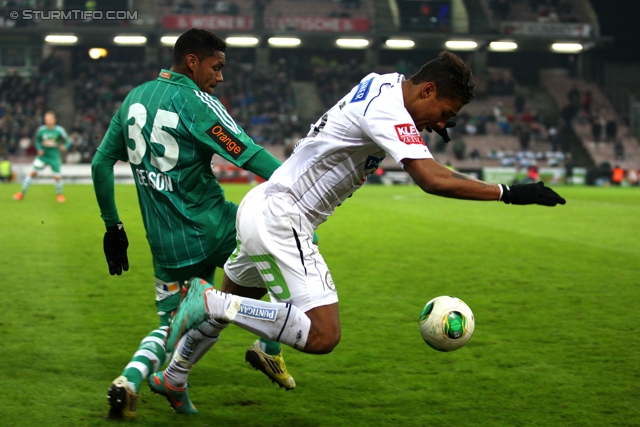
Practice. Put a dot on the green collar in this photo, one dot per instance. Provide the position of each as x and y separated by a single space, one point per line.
177 78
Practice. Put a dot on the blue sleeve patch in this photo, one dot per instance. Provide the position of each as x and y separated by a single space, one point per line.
362 91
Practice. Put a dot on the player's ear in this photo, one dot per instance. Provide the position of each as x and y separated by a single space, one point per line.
192 61
428 89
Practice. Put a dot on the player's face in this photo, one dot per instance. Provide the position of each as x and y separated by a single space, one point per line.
433 112
50 120
208 73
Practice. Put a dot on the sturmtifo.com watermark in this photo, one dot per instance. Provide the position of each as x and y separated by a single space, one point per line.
73 14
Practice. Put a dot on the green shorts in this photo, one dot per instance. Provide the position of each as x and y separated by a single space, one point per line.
169 282
42 161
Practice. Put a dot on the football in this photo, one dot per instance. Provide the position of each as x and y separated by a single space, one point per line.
446 323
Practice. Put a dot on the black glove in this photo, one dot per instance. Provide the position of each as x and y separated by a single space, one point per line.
529 194
443 132
115 249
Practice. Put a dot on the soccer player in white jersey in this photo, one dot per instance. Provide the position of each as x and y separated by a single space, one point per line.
382 115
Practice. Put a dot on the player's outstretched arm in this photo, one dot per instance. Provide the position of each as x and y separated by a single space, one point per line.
115 242
436 179
262 164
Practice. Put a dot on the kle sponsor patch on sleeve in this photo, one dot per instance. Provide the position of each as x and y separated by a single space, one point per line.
225 139
409 134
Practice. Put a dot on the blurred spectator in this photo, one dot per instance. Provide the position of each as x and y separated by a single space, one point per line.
208 7
501 85
501 118
99 88
333 80
618 150
574 97
617 175
597 124
633 176
22 102
185 7
532 175
586 102
263 104
6 175
554 138
519 103
568 169
523 131
611 129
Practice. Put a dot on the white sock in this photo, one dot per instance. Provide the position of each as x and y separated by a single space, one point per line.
280 322
26 184
192 346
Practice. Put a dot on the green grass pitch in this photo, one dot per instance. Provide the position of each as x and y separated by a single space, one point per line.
555 293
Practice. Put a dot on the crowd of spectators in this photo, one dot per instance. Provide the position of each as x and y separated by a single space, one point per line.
262 103
203 7
334 79
543 11
22 104
603 122
258 9
99 89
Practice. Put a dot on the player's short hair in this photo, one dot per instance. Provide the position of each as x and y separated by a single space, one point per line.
451 75
201 43
53 113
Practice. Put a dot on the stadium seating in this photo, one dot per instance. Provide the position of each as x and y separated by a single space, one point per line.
272 8
23 102
542 11
559 84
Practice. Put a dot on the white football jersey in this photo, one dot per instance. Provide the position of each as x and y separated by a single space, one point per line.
345 145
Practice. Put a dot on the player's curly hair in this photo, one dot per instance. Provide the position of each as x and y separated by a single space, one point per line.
202 43
451 75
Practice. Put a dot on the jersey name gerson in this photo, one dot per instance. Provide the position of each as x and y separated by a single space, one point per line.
156 180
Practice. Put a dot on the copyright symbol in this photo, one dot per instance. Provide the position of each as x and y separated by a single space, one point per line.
13 14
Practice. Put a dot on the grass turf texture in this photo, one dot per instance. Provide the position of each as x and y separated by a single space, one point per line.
554 290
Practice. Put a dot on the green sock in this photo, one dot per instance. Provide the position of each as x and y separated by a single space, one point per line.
272 348
147 360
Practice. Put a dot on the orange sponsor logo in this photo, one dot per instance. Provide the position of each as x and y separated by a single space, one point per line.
229 144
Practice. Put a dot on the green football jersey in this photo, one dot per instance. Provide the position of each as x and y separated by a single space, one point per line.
168 130
50 140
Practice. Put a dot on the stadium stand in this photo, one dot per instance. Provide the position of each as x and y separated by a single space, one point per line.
22 104
262 104
541 11
98 90
624 150
267 9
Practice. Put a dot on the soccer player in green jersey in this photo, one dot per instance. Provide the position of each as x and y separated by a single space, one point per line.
168 130
50 139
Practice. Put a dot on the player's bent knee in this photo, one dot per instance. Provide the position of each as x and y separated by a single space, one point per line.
324 334
322 342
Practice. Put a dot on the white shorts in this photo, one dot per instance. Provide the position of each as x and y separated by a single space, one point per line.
275 250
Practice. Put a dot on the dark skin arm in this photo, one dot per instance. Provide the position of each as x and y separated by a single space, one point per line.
433 178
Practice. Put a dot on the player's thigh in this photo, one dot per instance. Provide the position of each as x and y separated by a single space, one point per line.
276 250
55 166
38 165
230 287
